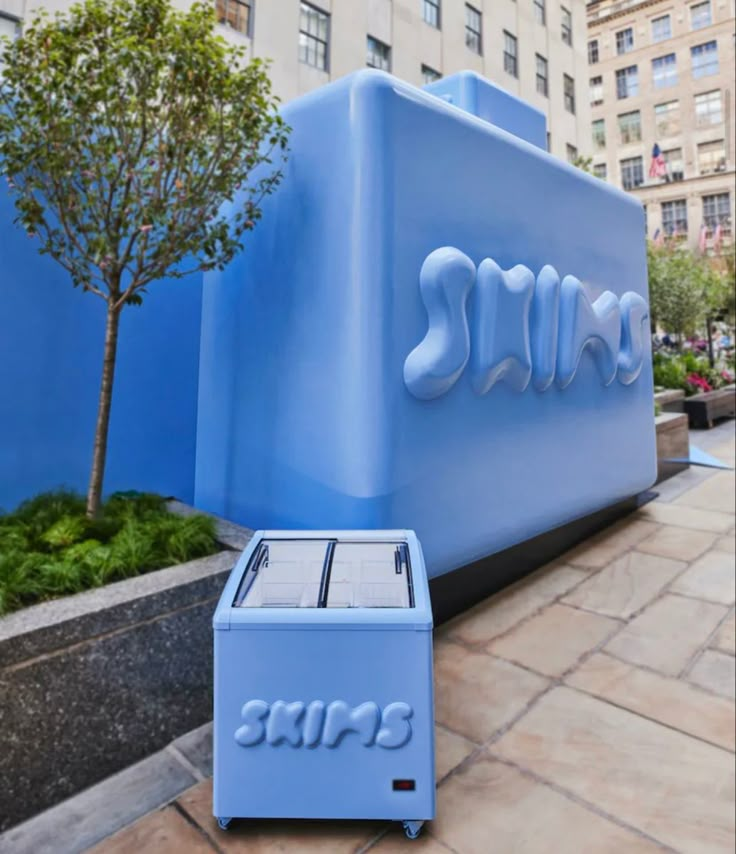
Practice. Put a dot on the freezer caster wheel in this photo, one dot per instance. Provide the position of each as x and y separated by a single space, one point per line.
223 823
412 829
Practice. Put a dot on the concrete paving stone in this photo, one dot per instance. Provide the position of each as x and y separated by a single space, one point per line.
449 751
553 640
394 842
675 788
490 806
600 550
499 613
94 814
716 493
196 747
275 836
674 487
715 671
661 698
686 517
725 640
626 585
162 832
711 577
678 543
726 544
667 634
476 694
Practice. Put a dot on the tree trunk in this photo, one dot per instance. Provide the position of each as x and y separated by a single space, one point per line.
94 492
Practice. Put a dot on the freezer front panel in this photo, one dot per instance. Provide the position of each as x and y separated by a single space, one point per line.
323 724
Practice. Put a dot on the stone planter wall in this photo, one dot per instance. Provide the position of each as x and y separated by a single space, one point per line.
670 400
91 683
672 442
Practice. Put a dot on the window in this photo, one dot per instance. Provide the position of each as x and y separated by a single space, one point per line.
429 75
472 29
542 84
593 52
711 157
667 118
566 25
378 54
596 91
661 28
675 165
431 12
700 15
717 211
629 126
632 173
510 64
705 59
624 40
600 171
234 14
598 129
540 12
569 87
664 71
708 108
674 218
313 36
627 82
572 153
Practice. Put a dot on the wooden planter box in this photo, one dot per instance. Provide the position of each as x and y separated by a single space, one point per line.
704 409
91 683
672 443
670 400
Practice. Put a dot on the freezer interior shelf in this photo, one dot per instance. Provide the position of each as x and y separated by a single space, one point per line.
327 574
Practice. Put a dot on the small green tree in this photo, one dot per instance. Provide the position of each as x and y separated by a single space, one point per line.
125 125
676 289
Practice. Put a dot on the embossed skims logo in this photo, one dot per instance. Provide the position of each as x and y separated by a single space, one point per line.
523 329
311 724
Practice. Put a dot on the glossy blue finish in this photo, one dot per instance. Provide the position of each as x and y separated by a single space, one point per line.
489 102
318 710
380 357
51 339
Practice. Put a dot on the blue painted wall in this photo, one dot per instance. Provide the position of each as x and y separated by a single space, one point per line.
51 339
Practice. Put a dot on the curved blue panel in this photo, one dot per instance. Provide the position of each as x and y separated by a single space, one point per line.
319 406
543 321
635 340
582 324
433 367
500 349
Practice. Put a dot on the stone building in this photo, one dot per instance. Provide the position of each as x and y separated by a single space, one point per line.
661 72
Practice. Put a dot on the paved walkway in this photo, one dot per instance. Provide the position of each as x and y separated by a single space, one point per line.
589 708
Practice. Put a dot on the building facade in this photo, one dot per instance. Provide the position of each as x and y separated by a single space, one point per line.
532 48
661 72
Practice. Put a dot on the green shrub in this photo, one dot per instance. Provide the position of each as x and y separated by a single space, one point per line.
49 548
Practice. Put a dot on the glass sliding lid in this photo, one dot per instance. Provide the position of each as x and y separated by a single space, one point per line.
328 573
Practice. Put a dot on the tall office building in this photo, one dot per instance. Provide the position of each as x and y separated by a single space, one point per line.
661 72
532 48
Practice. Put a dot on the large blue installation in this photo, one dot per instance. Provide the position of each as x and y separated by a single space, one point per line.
438 326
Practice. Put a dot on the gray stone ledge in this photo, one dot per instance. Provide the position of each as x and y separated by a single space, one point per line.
58 623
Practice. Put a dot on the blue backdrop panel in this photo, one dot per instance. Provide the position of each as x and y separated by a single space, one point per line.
51 339
438 326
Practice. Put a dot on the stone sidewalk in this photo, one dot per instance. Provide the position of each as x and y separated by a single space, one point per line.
588 708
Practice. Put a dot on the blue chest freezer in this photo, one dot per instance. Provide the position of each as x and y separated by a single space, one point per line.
323 680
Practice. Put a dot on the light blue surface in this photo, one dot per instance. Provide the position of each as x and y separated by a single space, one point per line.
318 710
51 342
364 365
484 99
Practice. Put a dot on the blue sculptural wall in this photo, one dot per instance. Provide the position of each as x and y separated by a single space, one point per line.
530 400
51 340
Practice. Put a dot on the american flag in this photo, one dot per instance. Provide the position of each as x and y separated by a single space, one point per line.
658 239
658 166
717 237
702 240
